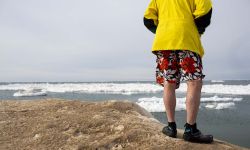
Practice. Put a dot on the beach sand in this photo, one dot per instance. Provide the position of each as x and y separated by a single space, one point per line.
61 124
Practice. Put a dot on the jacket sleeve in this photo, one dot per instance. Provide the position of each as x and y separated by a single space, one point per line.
202 14
151 16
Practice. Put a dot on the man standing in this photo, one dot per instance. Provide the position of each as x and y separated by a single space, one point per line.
178 26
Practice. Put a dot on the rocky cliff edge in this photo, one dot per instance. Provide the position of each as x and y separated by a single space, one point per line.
66 125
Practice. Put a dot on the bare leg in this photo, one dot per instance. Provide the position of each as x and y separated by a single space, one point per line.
169 99
193 100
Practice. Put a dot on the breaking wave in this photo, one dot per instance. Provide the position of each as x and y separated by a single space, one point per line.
155 104
29 93
123 88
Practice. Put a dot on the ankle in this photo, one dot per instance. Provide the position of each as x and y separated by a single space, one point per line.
191 125
172 125
191 128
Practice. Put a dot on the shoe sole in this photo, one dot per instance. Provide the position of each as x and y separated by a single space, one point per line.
170 135
194 140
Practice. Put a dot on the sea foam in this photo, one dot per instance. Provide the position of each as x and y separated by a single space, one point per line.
217 81
124 88
30 92
108 88
155 104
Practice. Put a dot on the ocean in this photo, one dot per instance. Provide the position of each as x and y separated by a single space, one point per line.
224 110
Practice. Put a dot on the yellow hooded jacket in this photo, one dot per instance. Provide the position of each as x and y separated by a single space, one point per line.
175 22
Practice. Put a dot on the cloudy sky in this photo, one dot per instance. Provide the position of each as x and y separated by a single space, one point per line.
105 40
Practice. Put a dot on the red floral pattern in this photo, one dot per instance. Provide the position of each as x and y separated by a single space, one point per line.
187 65
163 64
160 80
176 65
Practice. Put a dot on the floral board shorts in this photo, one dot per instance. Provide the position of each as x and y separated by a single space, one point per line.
174 66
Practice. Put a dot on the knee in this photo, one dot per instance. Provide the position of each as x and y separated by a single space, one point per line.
197 84
169 86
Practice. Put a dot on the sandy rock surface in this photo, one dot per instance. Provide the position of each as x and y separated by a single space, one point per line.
78 125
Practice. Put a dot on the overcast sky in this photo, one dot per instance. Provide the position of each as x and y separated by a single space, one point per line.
105 40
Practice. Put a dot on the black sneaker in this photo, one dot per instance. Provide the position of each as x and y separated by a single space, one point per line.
169 131
192 134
